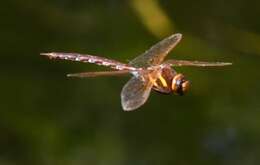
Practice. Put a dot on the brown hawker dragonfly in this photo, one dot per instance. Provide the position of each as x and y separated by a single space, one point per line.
149 71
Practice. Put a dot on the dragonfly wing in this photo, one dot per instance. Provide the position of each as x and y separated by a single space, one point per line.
135 93
195 63
98 74
89 59
156 54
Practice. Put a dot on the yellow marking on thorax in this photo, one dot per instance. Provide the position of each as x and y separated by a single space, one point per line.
153 81
163 81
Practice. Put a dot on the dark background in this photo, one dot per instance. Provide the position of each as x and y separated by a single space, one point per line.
49 119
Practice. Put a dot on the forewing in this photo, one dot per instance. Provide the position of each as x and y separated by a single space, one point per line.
97 74
195 63
135 93
156 54
89 59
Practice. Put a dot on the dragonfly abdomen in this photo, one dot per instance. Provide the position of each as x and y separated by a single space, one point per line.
90 59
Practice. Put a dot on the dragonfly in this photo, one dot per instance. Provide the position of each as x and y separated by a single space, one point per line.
150 71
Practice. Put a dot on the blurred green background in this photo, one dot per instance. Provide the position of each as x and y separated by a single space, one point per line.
49 119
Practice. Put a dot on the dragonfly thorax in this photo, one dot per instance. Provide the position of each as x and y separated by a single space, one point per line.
169 81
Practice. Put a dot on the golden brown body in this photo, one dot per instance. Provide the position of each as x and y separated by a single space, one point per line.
170 82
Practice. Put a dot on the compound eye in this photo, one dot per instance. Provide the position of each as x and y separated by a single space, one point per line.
180 85
177 83
185 86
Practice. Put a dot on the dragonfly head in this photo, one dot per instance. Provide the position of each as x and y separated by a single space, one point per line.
180 85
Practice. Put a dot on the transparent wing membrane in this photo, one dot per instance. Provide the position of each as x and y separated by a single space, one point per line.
195 63
98 74
89 59
135 93
156 54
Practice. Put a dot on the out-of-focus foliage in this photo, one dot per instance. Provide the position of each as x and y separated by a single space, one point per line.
46 118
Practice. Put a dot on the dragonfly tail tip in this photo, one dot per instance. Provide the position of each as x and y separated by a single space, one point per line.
46 54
